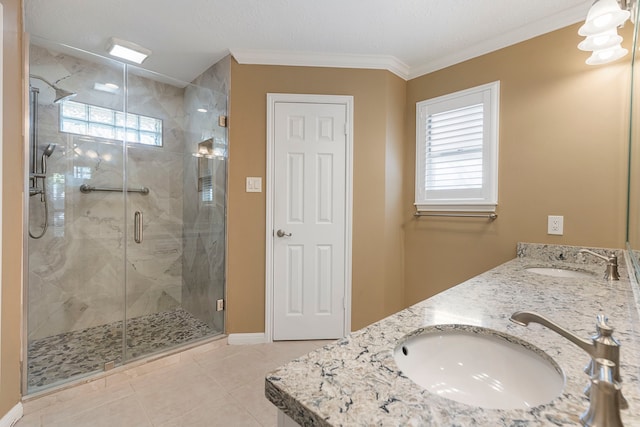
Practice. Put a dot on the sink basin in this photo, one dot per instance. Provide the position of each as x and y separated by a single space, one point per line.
559 272
479 367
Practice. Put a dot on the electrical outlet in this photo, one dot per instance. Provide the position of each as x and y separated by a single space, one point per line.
555 225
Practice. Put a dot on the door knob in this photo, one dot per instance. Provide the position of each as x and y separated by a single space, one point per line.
282 233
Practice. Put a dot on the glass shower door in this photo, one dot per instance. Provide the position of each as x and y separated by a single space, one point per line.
75 284
175 213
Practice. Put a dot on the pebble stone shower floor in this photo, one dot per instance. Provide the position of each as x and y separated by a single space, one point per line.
53 360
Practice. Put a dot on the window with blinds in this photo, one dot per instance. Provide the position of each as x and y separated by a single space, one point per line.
457 151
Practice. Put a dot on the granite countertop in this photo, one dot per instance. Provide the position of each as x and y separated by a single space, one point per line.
355 380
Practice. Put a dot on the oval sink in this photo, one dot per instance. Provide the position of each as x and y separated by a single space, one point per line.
479 367
559 272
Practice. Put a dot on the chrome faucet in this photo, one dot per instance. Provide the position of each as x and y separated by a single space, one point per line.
602 345
611 273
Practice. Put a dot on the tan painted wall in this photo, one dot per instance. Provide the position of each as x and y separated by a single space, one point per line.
393 236
563 149
379 99
563 132
12 210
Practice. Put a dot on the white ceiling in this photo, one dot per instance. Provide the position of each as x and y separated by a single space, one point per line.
408 37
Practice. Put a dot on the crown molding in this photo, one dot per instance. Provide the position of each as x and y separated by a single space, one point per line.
311 59
399 68
526 32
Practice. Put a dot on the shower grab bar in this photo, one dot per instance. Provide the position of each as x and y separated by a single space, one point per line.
86 188
137 227
490 216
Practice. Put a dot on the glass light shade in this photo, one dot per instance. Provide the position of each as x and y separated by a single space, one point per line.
605 56
603 15
601 41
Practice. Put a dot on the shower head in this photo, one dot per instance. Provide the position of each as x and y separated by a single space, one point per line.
61 94
46 153
49 150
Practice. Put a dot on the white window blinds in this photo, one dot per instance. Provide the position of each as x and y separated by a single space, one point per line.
456 151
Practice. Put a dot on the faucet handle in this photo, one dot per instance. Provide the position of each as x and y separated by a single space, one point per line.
604 334
602 326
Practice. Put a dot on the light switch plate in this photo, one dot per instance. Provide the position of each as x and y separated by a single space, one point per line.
254 184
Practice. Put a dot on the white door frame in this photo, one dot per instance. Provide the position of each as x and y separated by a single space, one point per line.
272 99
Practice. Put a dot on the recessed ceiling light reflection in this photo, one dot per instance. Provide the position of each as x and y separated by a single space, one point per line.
106 87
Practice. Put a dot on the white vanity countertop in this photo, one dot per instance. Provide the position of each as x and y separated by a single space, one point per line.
355 381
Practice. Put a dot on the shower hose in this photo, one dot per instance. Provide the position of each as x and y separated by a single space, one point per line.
43 199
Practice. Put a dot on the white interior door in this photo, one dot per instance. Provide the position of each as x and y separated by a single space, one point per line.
309 220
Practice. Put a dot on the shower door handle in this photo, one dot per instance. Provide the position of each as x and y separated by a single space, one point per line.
137 227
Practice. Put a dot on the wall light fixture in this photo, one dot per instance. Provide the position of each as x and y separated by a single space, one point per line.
601 30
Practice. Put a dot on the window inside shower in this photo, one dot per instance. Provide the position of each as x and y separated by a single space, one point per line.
131 260
91 120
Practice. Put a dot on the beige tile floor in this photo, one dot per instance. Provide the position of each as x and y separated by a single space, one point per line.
214 384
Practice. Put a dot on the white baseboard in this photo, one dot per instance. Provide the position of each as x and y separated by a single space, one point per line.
11 417
241 339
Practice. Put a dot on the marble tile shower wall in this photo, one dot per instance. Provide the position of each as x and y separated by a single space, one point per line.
77 270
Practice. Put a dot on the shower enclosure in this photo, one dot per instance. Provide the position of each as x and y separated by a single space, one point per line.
126 213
